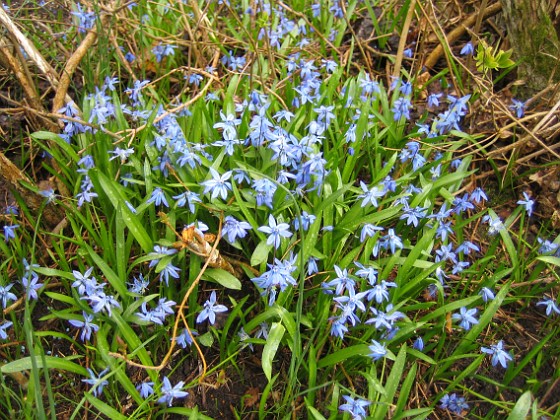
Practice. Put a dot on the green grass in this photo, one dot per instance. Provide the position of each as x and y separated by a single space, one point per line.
117 234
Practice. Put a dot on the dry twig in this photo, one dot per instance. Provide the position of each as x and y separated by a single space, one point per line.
456 33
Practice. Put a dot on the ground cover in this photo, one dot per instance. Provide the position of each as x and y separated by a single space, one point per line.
270 210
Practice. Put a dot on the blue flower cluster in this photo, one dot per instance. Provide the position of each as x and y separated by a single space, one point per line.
251 157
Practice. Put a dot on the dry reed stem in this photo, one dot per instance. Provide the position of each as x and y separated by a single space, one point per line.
402 40
29 48
21 72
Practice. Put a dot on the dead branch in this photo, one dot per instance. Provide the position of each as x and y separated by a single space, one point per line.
459 31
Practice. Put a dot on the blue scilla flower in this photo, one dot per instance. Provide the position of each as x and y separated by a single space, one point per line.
234 229
357 408
184 339
386 319
285 115
264 191
341 282
411 148
313 170
86 283
164 308
169 271
11 210
279 276
86 163
86 20
86 194
260 129
218 185
390 241
110 82
306 220
148 315
495 225
368 231
377 350
129 57
478 196
370 195
87 326
418 344
486 294
433 100
188 198
329 65
6 296
447 121
275 231
389 184
466 247
459 266
3 327
380 292
401 108
406 88
413 216
228 143
31 285
211 308
101 302
551 306
185 155
122 154
527 203
9 232
163 50
312 267
158 252
499 355
446 253
518 107
367 272
96 381
547 246
139 285
325 114
442 214
158 197
338 327
350 135
369 87
462 204
349 303
136 91
169 392
195 79
466 317
453 403
467 49
145 389
285 148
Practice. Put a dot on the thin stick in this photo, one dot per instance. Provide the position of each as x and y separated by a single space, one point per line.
181 317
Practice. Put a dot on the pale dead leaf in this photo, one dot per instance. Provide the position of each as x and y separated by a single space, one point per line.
251 397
